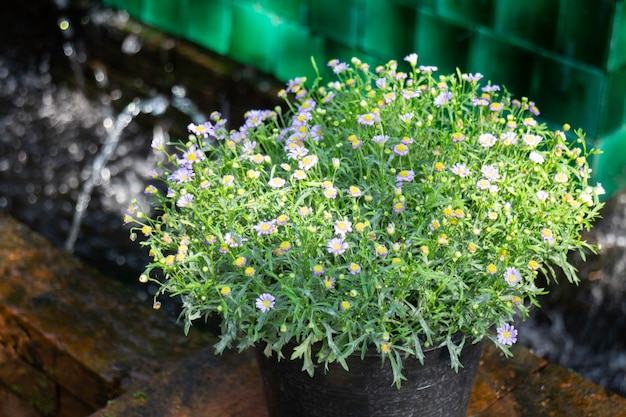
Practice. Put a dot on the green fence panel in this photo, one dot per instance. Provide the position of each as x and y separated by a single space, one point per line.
387 29
295 47
501 61
569 56
532 21
610 165
617 51
209 24
168 15
468 12
584 30
422 4
566 91
253 38
292 10
336 20
614 102
441 42
133 7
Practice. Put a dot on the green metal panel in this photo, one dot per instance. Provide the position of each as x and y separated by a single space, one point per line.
468 12
253 36
210 24
614 102
442 43
168 15
293 10
584 30
501 62
295 47
133 7
533 21
336 20
617 53
387 28
422 4
116 4
610 166
568 92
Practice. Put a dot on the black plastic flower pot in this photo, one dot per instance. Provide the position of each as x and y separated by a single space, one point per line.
367 389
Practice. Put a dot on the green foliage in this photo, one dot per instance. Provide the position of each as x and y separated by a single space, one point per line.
384 209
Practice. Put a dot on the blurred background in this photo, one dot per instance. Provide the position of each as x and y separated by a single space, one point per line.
85 85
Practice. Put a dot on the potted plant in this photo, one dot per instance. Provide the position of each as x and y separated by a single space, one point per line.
385 211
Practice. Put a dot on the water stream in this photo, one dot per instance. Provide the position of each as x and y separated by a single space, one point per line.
114 128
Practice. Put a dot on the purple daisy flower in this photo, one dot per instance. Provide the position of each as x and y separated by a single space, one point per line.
401 149
184 200
380 139
507 335
265 227
181 175
512 276
191 155
354 268
406 175
337 246
368 119
442 98
265 302
398 207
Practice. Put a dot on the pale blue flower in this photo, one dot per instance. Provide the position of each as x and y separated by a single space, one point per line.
406 175
368 119
265 302
380 139
411 59
442 98
507 335
184 200
472 77
512 275
490 88
337 246
460 170
182 175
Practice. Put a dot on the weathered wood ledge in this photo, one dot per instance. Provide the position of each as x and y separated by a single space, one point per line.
74 343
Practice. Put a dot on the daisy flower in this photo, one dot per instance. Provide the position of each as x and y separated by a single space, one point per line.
354 191
276 182
342 227
512 276
337 246
265 302
507 335
354 268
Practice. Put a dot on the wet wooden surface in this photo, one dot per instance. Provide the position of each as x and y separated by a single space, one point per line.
71 338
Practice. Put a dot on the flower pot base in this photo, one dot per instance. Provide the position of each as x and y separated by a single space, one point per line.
432 389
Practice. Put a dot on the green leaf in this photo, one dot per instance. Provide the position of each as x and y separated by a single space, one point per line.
303 350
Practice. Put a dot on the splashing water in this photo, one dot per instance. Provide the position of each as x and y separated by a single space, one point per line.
154 106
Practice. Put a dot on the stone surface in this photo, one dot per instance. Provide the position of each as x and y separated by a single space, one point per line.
72 330
33 386
12 405
200 385
497 376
